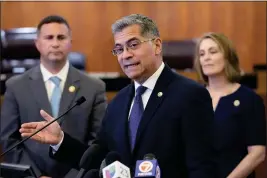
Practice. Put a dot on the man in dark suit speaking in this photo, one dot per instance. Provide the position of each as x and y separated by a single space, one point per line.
54 86
161 112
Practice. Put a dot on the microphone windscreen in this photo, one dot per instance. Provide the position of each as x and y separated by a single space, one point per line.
149 156
80 100
93 173
112 157
89 155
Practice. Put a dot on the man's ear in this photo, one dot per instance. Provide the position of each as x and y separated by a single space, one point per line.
158 46
36 42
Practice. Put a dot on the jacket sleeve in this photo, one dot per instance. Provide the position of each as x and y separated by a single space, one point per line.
10 135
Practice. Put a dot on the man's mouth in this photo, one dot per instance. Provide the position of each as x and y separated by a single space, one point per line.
132 65
56 52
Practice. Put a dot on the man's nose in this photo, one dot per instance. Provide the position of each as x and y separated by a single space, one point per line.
127 53
55 43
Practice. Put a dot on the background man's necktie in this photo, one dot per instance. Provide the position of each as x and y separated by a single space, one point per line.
56 95
136 114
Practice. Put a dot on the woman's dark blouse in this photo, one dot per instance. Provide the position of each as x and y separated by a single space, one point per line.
239 123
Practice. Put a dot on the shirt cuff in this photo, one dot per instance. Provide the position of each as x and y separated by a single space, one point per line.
56 147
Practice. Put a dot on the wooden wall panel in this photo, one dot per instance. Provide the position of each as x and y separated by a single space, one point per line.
243 22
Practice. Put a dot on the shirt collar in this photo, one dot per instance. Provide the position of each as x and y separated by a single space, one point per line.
151 81
62 74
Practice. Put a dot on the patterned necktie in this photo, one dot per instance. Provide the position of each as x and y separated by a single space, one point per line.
56 95
136 114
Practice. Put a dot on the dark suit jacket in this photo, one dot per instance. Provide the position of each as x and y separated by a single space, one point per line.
175 127
26 95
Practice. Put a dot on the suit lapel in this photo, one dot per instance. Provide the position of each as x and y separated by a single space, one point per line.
121 128
156 98
38 89
71 87
123 115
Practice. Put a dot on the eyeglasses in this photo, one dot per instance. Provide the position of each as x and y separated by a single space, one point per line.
132 45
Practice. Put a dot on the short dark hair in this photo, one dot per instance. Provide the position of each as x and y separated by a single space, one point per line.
52 19
148 26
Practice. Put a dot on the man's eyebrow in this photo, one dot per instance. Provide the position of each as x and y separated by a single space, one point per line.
51 35
61 35
131 39
48 35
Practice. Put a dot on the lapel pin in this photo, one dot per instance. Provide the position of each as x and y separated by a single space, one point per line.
72 89
160 94
236 103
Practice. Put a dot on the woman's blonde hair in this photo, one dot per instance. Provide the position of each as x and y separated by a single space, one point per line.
232 70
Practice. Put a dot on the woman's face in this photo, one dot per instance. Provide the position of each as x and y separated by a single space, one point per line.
211 58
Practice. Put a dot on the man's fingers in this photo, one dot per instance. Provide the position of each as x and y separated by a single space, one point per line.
26 130
29 125
25 134
46 116
32 125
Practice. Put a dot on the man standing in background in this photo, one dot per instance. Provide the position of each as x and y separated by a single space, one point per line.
54 86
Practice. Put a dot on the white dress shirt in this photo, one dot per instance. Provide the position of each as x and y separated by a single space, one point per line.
49 85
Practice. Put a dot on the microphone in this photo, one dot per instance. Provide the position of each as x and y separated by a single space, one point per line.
87 159
116 170
149 156
77 103
93 173
148 167
110 158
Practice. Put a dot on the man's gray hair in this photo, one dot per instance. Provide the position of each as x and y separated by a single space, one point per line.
148 26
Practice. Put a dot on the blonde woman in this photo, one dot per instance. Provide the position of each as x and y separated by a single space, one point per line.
240 127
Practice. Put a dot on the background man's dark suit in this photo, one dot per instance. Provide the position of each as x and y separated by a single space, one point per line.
26 95
175 127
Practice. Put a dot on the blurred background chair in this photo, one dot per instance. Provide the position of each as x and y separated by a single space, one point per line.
179 55
19 44
77 59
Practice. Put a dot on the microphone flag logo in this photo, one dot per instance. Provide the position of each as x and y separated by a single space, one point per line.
145 166
110 172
